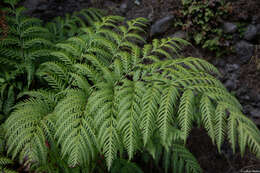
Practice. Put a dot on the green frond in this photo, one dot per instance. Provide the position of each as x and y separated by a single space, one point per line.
81 82
246 132
124 166
105 117
90 72
232 131
100 66
221 125
185 112
129 113
41 94
24 132
5 161
207 110
182 154
55 74
31 30
75 131
166 112
70 48
3 165
64 57
33 42
150 105
251 137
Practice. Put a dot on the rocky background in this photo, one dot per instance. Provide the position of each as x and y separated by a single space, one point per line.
240 70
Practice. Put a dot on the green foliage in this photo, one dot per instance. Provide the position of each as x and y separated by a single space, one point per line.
25 46
124 166
22 50
108 95
4 162
203 19
63 28
180 160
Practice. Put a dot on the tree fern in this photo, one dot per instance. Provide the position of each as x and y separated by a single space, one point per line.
117 96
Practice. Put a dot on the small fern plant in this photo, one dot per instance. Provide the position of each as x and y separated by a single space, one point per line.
4 161
25 46
62 28
112 95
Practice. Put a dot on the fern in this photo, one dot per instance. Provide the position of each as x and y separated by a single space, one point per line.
123 166
63 28
22 50
3 165
114 96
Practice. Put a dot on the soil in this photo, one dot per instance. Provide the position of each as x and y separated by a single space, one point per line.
248 75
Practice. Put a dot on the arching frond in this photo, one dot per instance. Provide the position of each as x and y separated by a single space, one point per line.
186 112
25 130
75 131
150 105
129 114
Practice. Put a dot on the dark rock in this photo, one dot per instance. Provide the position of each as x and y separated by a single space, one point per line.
231 84
247 109
244 50
161 25
137 2
255 113
32 5
250 32
219 62
235 38
258 97
232 67
245 97
229 27
253 95
43 7
180 34
124 6
258 29
241 91
255 19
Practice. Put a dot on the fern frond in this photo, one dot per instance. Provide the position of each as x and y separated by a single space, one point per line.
105 116
129 113
24 131
124 166
150 105
185 112
75 131
3 165
207 111
221 125
191 164
168 102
